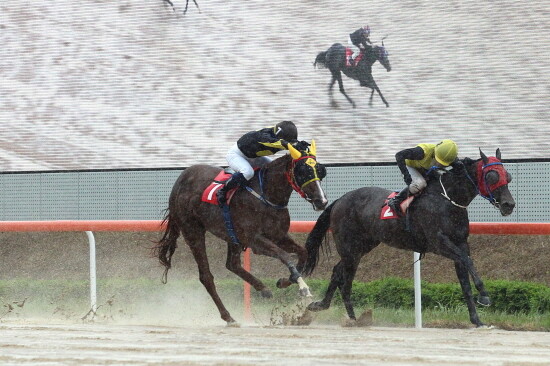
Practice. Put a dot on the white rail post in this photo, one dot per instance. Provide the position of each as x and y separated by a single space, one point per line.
93 286
417 292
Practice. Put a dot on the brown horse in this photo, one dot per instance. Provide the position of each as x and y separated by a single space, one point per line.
438 224
260 224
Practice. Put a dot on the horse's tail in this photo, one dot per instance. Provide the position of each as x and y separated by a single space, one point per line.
167 245
315 239
321 59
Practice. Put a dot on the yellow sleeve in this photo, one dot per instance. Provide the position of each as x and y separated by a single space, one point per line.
281 144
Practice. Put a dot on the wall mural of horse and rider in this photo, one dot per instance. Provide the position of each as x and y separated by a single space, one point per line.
357 65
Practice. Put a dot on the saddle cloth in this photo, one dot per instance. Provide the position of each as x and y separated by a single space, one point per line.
209 194
388 213
349 52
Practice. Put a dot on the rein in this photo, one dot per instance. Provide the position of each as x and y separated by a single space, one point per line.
482 181
291 179
444 194
261 195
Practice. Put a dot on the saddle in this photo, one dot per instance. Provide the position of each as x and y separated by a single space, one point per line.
209 194
349 52
387 213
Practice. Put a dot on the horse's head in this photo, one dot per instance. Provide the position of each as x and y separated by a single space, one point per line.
305 175
492 182
382 56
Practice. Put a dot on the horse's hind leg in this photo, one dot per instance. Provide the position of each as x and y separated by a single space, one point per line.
195 237
349 269
338 76
234 265
371 95
330 94
335 282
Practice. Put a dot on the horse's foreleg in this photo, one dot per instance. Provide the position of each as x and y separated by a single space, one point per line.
464 265
187 5
267 247
290 246
233 264
462 274
195 240
379 93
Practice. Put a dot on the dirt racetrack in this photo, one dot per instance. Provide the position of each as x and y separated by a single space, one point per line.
105 344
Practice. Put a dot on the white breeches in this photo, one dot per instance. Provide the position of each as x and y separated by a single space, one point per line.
240 163
418 182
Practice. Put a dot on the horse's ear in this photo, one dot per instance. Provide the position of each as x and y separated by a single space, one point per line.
498 154
293 152
483 156
313 148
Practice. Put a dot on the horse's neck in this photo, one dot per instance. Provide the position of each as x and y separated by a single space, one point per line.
370 56
458 187
276 187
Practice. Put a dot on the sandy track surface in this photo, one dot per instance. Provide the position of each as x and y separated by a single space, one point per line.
92 344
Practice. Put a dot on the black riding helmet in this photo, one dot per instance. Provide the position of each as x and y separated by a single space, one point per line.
286 130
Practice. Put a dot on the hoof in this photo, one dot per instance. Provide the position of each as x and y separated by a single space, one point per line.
304 292
365 319
348 323
305 319
266 293
283 283
485 327
484 300
232 324
317 306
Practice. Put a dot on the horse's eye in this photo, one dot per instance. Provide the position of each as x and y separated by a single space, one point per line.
508 177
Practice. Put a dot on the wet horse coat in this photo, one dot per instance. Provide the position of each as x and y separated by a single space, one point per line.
438 221
258 226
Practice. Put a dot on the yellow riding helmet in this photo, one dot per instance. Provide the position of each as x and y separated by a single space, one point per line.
446 152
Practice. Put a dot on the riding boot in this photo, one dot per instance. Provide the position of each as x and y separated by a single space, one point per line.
395 202
237 179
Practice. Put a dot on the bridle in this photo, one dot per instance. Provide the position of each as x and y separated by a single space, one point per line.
291 177
483 188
